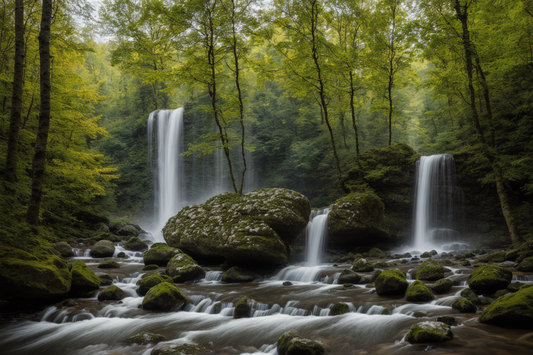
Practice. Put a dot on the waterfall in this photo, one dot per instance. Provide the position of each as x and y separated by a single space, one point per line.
316 234
165 144
438 203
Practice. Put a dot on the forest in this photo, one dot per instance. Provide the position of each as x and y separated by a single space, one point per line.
306 86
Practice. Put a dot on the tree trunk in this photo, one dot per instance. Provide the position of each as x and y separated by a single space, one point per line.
39 159
16 101
354 124
490 154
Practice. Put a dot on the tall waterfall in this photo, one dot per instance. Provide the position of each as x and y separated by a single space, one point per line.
316 234
438 215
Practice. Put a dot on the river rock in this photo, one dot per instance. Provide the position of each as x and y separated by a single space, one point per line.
164 297
489 279
135 244
180 349
145 284
103 249
349 276
515 286
64 249
429 332
243 308
160 254
84 281
447 319
356 219
362 265
442 285
244 229
418 292
183 268
237 274
105 279
145 338
515 310
109 264
526 265
27 277
338 309
111 293
430 270
391 282
128 230
497 257
291 344
464 305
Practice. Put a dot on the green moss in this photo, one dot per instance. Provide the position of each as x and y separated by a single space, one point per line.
464 305
111 293
418 292
429 332
489 279
362 265
291 344
239 275
164 297
338 309
109 264
391 282
147 283
349 276
442 285
526 265
135 244
150 267
145 338
376 253
160 254
103 249
84 280
515 310
183 268
430 270
242 308
497 257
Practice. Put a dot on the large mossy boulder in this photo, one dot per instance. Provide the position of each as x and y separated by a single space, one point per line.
429 332
362 265
183 268
255 228
164 297
103 249
111 293
430 270
526 265
418 292
513 311
237 274
357 219
64 249
85 283
291 344
497 257
391 282
35 278
145 284
135 244
160 254
128 230
489 279
348 276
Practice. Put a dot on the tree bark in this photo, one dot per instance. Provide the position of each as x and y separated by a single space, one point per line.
354 124
16 101
39 159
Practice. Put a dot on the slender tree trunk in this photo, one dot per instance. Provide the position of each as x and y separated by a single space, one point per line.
16 102
516 239
391 81
354 124
39 159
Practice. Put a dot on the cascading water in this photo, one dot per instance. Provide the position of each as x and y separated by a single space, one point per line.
438 215
316 234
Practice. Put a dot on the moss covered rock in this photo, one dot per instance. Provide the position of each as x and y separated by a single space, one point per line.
164 297
515 311
338 309
418 292
145 338
464 305
35 278
183 268
145 284
243 308
349 276
109 264
362 265
291 344
129 230
160 254
84 281
526 265
64 249
180 349
497 257
135 244
429 332
430 270
237 274
391 282
111 293
489 279
442 285
105 279
244 229
103 249
515 286
357 219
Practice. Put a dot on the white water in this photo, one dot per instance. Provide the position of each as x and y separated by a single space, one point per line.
315 237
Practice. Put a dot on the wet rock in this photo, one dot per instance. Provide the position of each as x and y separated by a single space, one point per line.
150 267
111 293
243 308
69 303
348 286
426 254
385 312
470 295
164 297
338 309
244 229
511 255
183 268
515 286
135 244
287 283
105 279
442 285
515 310
447 319
121 255
160 254
381 264
464 305
147 283
430 270
103 249
349 276
109 264
291 344
237 274
366 280
377 253
433 252
501 293
465 256
145 338
429 332
446 262
64 249
497 257
489 279
362 265
84 281
182 349
418 292
465 263
526 265
391 282
128 230
376 275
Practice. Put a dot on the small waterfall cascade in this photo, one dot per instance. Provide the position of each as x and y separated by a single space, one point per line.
316 234
438 204
165 144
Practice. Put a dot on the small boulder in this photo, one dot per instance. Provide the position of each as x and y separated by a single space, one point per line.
243 308
470 295
237 274
64 249
145 338
418 292
135 244
182 349
447 319
128 230
376 253
150 267
160 254
511 255
287 283
464 305
430 270
349 276
291 344
497 257
426 254
362 265
147 283
381 264
84 281
122 255
183 268
489 279
429 332
109 264
442 285
338 309
111 293
105 279
526 265
103 249
391 282
514 311
164 297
